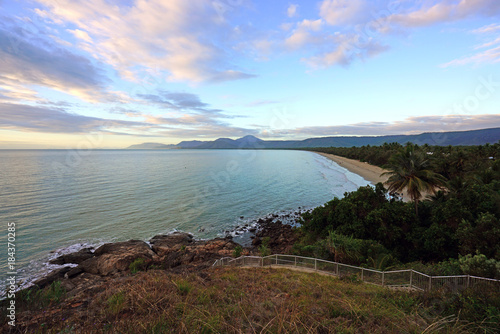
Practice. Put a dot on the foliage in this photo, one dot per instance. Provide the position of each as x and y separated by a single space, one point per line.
479 265
460 219
409 171
237 251
264 249
137 265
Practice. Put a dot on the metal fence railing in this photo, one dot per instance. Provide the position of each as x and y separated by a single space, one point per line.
407 278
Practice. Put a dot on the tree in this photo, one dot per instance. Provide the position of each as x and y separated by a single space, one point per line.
409 169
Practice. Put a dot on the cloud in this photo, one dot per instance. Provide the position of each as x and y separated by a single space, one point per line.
175 101
490 50
259 103
494 27
411 125
445 11
349 30
489 56
30 58
303 34
55 120
209 132
347 49
292 10
340 12
182 40
81 35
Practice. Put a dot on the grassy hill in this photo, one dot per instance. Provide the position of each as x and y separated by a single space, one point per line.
239 300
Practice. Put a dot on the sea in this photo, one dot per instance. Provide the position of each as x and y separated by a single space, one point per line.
59 201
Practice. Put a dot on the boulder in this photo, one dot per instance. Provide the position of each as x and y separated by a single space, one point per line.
115 257
219 246
165 244
53 276
76 257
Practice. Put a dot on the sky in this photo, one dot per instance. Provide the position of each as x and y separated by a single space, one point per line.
111 73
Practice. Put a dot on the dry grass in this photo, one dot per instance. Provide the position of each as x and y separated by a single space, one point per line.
241 300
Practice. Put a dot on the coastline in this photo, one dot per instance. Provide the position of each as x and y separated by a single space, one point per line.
368 172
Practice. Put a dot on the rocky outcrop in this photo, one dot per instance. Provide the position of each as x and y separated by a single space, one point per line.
52 277
281 236
176 251
165 244
75 258
115 257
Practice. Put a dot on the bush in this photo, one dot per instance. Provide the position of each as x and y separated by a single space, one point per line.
237 251
264 247
139 264
479 265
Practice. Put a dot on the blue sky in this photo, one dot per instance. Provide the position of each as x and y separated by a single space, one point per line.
110 73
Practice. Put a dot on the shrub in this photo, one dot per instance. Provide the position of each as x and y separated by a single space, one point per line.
137 265
479 265
116 303
264 247
237 251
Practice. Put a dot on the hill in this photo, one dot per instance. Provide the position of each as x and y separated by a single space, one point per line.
234 300
150 146
454 138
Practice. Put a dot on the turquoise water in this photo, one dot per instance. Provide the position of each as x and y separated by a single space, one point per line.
64 200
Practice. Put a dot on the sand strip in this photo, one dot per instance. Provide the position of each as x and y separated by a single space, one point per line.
368 172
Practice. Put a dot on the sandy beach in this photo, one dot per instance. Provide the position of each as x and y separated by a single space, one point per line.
365 170
368 172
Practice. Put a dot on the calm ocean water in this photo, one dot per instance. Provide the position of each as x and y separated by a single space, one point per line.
62 201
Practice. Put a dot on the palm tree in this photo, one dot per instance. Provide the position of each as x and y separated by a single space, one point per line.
408 169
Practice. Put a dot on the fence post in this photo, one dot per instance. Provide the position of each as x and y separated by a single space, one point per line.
338 274
276 259
362 274
430 283
383 278
411 278
244 261
295 261
315 264
262 262
468 281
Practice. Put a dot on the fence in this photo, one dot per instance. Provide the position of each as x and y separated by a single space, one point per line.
407 278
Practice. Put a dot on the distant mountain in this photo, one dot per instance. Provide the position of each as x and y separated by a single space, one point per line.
190 144
150 146
474 137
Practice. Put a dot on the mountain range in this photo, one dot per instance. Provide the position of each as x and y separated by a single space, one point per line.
474 137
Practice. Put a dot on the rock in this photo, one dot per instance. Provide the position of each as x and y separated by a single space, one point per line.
164 244
76 257
73 272
53 276
116 257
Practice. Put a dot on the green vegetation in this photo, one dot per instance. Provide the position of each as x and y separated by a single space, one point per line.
137 265
409 170
458 225
260 300
264 249
237 251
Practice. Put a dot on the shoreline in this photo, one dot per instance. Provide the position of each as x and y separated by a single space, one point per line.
370 173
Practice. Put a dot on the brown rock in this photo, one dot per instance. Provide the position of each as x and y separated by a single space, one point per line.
53 276
76 257
116 257
164 244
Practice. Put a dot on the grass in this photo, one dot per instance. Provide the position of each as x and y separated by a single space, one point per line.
137 265
249 300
